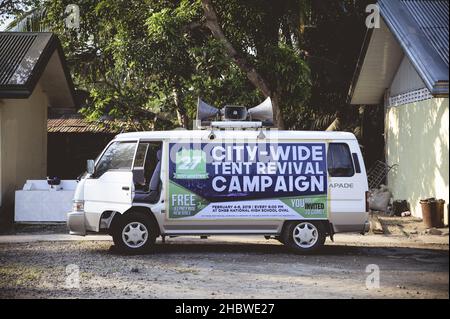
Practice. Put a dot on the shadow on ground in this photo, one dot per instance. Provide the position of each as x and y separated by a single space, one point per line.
275 249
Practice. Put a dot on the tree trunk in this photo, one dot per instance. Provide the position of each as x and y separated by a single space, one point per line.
277 112
212 23
182 116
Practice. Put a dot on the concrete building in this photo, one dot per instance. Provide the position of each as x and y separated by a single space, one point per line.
404 68
33 78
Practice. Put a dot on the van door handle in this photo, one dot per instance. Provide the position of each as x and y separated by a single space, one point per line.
125 188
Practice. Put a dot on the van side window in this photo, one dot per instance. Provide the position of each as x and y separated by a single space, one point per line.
147 172
119 155
356 161
141 155
339 160
145 163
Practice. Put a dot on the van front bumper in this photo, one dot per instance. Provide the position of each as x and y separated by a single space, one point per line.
76 224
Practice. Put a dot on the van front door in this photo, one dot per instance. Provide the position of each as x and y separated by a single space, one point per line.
111 187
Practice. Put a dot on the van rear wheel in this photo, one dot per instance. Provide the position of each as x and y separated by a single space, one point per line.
134 233
304 236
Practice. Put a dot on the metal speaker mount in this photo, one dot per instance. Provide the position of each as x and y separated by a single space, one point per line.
262 112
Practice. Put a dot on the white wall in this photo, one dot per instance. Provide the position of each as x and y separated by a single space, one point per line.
23 138
418 141
406 79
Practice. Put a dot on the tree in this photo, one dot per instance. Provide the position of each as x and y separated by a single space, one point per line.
152 57
212 22
273 51
333 43
160 56
14 8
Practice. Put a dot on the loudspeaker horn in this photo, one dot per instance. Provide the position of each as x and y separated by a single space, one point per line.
262 112
206 111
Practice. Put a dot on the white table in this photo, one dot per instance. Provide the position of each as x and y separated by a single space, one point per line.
37 202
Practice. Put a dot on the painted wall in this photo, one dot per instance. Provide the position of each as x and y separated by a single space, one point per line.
23 138
417 140
406 79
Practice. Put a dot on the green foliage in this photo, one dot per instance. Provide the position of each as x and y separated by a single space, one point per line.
291 75
138 58
333 46
135 56
14 8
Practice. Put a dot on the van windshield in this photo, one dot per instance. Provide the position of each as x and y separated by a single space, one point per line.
118 155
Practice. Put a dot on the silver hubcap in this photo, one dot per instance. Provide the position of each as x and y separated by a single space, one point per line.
305 235
135 234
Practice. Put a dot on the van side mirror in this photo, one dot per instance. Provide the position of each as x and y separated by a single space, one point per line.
90 167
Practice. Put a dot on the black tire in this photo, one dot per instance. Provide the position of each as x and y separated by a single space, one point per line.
135 224
280 239
308 246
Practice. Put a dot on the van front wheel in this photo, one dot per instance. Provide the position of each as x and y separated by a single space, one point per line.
134 233
304 236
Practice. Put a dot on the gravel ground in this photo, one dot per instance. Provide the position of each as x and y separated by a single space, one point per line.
223 268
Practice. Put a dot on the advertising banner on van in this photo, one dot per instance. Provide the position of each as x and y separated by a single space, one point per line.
246 181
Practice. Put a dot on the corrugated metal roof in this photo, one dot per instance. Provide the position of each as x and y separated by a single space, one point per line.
24 57
75 123
421 29
432 18
13 48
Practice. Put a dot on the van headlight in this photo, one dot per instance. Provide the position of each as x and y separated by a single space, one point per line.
78 206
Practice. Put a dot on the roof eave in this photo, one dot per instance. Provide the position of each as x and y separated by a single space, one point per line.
359 64
24 91
428 64
52 46
15 93
425 60
440 89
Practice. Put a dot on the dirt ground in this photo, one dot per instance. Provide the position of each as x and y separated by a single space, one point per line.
404 226
230 267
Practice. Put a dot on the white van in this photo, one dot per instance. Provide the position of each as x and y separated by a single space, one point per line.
297 187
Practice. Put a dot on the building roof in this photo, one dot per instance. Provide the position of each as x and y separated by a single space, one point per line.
28 57
432 19
415 28
68 120
76 123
